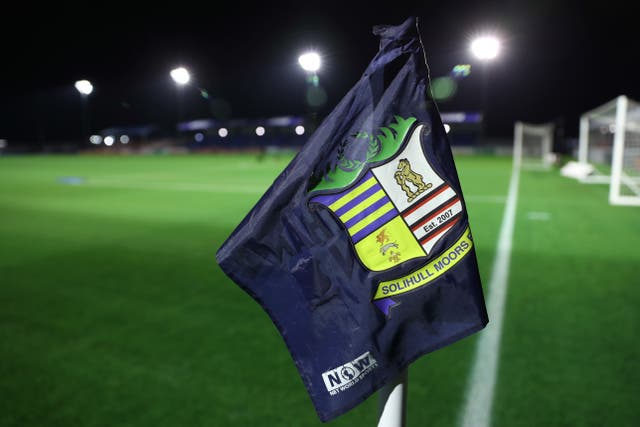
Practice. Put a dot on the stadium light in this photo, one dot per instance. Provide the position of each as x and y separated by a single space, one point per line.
485 48
84 87
95 139
299 130
315 95
223 132
124 139
180 75
259 131
109 140
310 61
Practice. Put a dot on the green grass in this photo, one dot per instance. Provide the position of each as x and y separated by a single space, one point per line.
113 311
570 350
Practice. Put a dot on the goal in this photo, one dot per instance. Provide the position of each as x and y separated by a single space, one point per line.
532 145
610 142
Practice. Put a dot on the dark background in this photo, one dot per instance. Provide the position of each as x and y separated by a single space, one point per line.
559 59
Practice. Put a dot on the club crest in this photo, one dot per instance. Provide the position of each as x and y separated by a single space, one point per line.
391 202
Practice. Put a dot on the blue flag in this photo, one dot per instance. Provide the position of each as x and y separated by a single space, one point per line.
360 251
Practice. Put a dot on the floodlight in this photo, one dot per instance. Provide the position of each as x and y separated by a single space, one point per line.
299 130
84 87
485 47
223 132
259 131
180 75
309 61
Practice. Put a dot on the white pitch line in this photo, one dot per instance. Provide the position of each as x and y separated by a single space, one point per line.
208 188
482 381
538 216
485 199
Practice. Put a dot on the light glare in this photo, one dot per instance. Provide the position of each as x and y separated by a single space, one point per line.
223 132
447 128
485 47
309 61
259 131
180 75
461 70
109 140
84 87
299 130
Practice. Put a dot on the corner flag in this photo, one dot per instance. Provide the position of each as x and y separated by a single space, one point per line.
361 251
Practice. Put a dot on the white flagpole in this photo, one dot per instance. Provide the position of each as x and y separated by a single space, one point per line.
392 403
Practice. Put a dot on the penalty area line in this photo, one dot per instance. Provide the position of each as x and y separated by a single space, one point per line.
484 372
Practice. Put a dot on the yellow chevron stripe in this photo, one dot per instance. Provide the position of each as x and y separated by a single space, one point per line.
362 205
353 194
370 218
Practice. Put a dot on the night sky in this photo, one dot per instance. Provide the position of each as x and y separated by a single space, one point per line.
559 59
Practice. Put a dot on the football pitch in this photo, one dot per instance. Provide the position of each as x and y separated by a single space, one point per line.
113 311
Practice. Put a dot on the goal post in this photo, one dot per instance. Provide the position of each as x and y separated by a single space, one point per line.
595 142
532 146
610 142
625 163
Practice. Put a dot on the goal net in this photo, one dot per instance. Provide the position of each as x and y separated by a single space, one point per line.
610 142
533 145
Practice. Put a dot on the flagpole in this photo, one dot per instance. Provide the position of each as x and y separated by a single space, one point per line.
392 403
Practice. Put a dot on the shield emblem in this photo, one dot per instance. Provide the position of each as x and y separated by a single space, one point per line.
396 209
